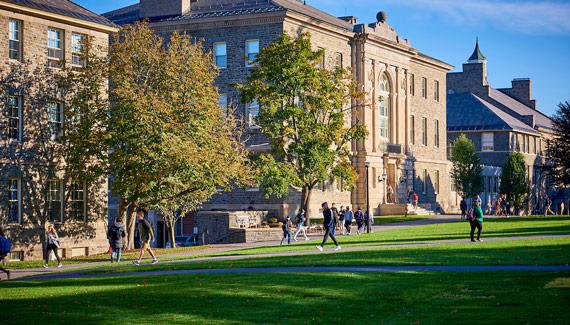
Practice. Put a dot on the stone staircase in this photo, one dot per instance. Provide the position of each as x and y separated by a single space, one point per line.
400 209
420 211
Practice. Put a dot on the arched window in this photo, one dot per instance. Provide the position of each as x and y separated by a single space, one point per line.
384 105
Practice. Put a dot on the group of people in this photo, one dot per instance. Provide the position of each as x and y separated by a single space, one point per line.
117 234
501 206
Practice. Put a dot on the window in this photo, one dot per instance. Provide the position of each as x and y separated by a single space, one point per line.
321 62
221 54
425 180
251 52
413 130
223 101
77 49
424 131
424 88
55 48
78 208
252 113
436 181
338 60
55 204
55 119
14 201
436 91
15 124
412 84
436 133
487 142
15 39
384 106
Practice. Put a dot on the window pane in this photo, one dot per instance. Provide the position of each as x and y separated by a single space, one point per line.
13 201
14 117
252 113
54 201
15 41
487 142
220 54
77 193
55 117
252 50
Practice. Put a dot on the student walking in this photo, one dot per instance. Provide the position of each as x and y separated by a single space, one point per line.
286 230
5 248
328 223
359 218
463 206
300 224
368 220
53 244
146 236
476 221
341 220
416 200
348 215
334 211
116 236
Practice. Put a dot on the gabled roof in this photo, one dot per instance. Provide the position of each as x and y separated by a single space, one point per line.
64 7
477 55
521 109
468 112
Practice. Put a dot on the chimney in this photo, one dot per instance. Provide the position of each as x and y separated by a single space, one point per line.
350 19
522 91
164 8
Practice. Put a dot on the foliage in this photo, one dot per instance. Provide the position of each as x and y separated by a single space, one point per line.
306 116
514 181
560 144
467 171
168 126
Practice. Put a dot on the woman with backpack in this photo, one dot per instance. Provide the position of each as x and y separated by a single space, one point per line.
4 250
116 236
53 244
475 217
287 230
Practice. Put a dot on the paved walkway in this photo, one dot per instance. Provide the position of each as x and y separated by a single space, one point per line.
322 269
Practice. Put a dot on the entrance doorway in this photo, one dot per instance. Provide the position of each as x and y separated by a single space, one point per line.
391 180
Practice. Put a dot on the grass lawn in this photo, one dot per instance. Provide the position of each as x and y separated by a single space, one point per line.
335 298
555 251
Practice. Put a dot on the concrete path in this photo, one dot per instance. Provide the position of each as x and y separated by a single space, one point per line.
221 248
322 269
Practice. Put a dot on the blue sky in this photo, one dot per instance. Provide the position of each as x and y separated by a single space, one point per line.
521 39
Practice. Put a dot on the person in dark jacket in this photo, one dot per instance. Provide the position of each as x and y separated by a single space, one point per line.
287 230
328 223
335 217
116 236
477 221
359 218
368 221
348 215
146 236
341 219
2 253
463 206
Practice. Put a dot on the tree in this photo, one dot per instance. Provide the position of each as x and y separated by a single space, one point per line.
172 145
63 134
467 172
306 116
560 145
514 181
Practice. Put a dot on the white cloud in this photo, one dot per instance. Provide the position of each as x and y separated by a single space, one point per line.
530 17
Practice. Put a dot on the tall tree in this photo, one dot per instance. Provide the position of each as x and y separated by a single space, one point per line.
172 145
467 171
306 116
62 138
560 144
514 181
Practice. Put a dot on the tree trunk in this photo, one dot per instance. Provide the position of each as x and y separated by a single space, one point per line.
170 224
130 211
306 202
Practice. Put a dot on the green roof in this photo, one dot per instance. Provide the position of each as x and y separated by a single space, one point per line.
477 54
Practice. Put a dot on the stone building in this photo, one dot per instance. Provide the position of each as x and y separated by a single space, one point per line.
40 33
406 92
499 122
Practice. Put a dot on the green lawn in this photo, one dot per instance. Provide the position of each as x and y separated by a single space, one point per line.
335 298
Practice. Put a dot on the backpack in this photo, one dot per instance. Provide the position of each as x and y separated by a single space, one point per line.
470 214
116 233
415 197
5 246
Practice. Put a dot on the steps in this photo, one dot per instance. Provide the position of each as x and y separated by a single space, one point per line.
420 211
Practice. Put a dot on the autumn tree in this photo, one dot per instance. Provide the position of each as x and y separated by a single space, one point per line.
467 171
560 144
306 116
514 181
172 145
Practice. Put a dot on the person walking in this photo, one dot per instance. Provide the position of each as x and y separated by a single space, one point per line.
334 211
359 218
328 223
416 200
463 206
348 215
476 221
5 248
341 220
286 230
53 244
146 236
300 224
368 220
116 236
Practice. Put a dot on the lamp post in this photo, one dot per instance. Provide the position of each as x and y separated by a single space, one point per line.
367 165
